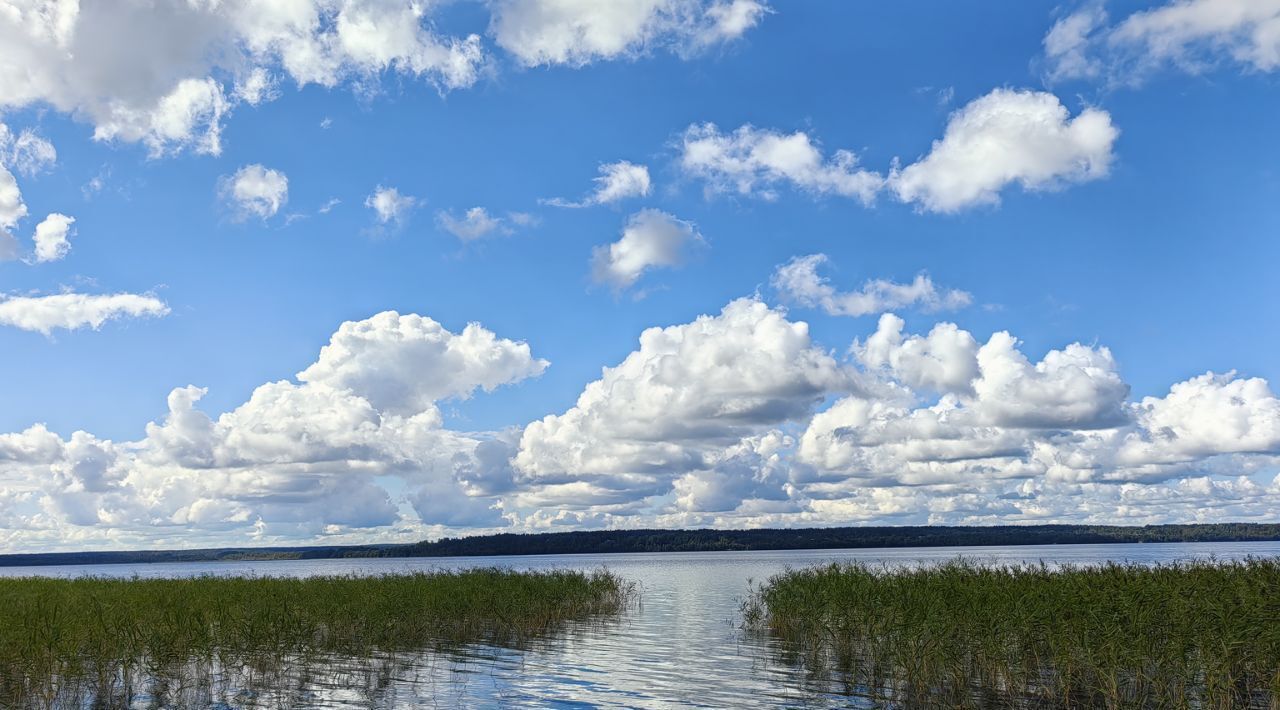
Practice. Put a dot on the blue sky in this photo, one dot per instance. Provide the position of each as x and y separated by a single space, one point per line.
1148 237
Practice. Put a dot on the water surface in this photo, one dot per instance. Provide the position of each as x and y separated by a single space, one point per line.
680 647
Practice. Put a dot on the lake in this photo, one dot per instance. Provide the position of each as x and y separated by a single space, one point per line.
680 647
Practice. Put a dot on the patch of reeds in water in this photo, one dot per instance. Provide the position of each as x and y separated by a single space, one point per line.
68 642
962 634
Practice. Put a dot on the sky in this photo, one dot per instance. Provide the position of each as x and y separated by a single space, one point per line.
348 271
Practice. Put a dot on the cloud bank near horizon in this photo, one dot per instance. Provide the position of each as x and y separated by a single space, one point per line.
735 419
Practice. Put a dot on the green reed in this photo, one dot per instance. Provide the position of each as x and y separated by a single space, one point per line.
1202 634
59 637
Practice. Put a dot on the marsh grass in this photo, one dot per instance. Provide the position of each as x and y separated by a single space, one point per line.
73 642
1203 634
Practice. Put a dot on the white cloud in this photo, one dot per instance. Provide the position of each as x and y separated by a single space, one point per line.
72 311
651 239
617 181
753 470
389 205
946 360
1192 35
1204 416
1077 387
732 420
731 19
189 116
577 32
672 406
885 441
383 359
296 460
169 74
30 154
255 191
476 223
12 209
754 161
27 152
1064 419
798 281
145 72
1248 30
1066 46
258 86
51 237
1007 137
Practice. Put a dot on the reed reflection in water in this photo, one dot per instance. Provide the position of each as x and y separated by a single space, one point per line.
447 676
104 642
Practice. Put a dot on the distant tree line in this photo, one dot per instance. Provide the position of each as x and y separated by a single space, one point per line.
610 541
606 541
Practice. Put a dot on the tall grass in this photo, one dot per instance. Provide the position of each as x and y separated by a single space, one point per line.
1202 634
64 640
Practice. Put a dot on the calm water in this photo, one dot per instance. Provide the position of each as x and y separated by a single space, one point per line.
681 647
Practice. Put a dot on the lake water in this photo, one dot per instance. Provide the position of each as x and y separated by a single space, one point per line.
680 647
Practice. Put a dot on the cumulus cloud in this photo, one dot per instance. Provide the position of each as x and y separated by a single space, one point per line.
298 459
651 239
1204 416
749 472
673 406
389 205
72 311
1192 35
1063 422
383 360
733 419
255 191
945 360
52 237
167 90
617 181
29 154
935 428
577 32
1007 137
1077 387
475 223
169 74
798 281
755 161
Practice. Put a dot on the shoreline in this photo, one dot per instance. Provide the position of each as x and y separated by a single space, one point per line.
674 541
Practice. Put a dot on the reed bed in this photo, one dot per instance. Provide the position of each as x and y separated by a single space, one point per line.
64 642
962 634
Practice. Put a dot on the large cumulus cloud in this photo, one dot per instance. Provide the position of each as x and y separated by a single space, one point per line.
675 404
316 456
167 74
737 418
